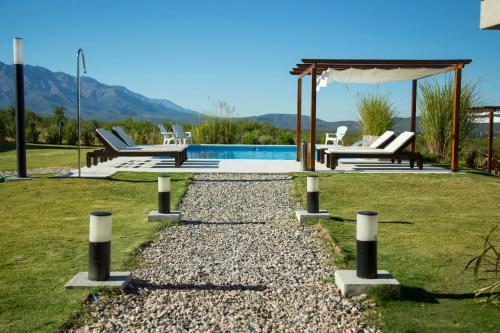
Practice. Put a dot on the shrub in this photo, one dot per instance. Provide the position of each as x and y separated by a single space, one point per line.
265 139
376 114
286 138
52 136
473 158
3 131
436 114
70 134
8 119
87 134
217 126
250 138
32 134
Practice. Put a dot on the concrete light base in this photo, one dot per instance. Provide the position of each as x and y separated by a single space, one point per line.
351 285
172 216
116 280
16 179
303 215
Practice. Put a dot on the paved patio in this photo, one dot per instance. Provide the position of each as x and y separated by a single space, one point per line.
145 164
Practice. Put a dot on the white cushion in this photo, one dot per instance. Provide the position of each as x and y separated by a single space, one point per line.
382 139
399 142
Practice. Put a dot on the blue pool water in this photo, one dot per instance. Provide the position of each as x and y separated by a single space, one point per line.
253 152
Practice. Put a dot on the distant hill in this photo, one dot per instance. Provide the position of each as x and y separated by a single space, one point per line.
400 124
289 121
45 89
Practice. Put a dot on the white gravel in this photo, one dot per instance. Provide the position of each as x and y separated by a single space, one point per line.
239 262
39 171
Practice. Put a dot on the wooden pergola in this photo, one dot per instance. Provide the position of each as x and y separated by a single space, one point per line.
313 67
490 110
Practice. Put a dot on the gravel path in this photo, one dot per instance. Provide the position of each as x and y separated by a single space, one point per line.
39 171
238 263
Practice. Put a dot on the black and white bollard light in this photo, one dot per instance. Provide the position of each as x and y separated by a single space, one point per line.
312 211
164 212
99 245
164 195
366 275
313 194
366 244
99 262
20 112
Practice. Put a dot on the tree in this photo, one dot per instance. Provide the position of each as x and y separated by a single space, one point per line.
60 121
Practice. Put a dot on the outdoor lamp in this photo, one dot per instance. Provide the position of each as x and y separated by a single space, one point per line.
366 244
312 194
163 194
99 246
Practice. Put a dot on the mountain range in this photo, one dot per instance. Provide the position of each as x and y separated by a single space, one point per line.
45 89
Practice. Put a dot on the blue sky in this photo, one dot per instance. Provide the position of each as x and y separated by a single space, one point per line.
241 51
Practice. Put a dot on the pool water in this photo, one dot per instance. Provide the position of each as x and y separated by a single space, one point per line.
252 152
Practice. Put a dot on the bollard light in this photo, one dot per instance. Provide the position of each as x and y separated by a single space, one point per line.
20 113
99 246
366 244
164 195
313 194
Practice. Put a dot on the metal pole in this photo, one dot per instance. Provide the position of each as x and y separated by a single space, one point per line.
20 112
80 51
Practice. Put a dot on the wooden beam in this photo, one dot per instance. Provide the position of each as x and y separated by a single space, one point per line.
312 125
299 117
413 113
305 71
388 61
490 141
456 119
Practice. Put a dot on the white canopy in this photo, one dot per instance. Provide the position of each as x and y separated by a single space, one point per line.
376 75
484 118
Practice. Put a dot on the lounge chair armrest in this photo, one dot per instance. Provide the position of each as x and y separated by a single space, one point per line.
188 134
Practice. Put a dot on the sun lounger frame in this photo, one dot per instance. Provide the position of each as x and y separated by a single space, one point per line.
109 152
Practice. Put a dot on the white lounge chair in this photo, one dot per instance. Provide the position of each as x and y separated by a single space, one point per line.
181 137
393 151
168 137
381 142
335 138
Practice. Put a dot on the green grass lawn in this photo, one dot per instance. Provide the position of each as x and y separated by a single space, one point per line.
42 156
427 227
44 240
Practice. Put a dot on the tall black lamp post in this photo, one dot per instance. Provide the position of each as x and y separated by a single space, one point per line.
20 113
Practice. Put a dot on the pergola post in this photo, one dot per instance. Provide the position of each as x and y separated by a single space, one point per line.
456 118
413 114
299 117
490 140
312 126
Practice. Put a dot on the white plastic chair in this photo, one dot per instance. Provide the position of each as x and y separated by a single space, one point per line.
335 138
181 137
168 137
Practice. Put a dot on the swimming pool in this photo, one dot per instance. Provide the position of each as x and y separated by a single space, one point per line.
252 152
